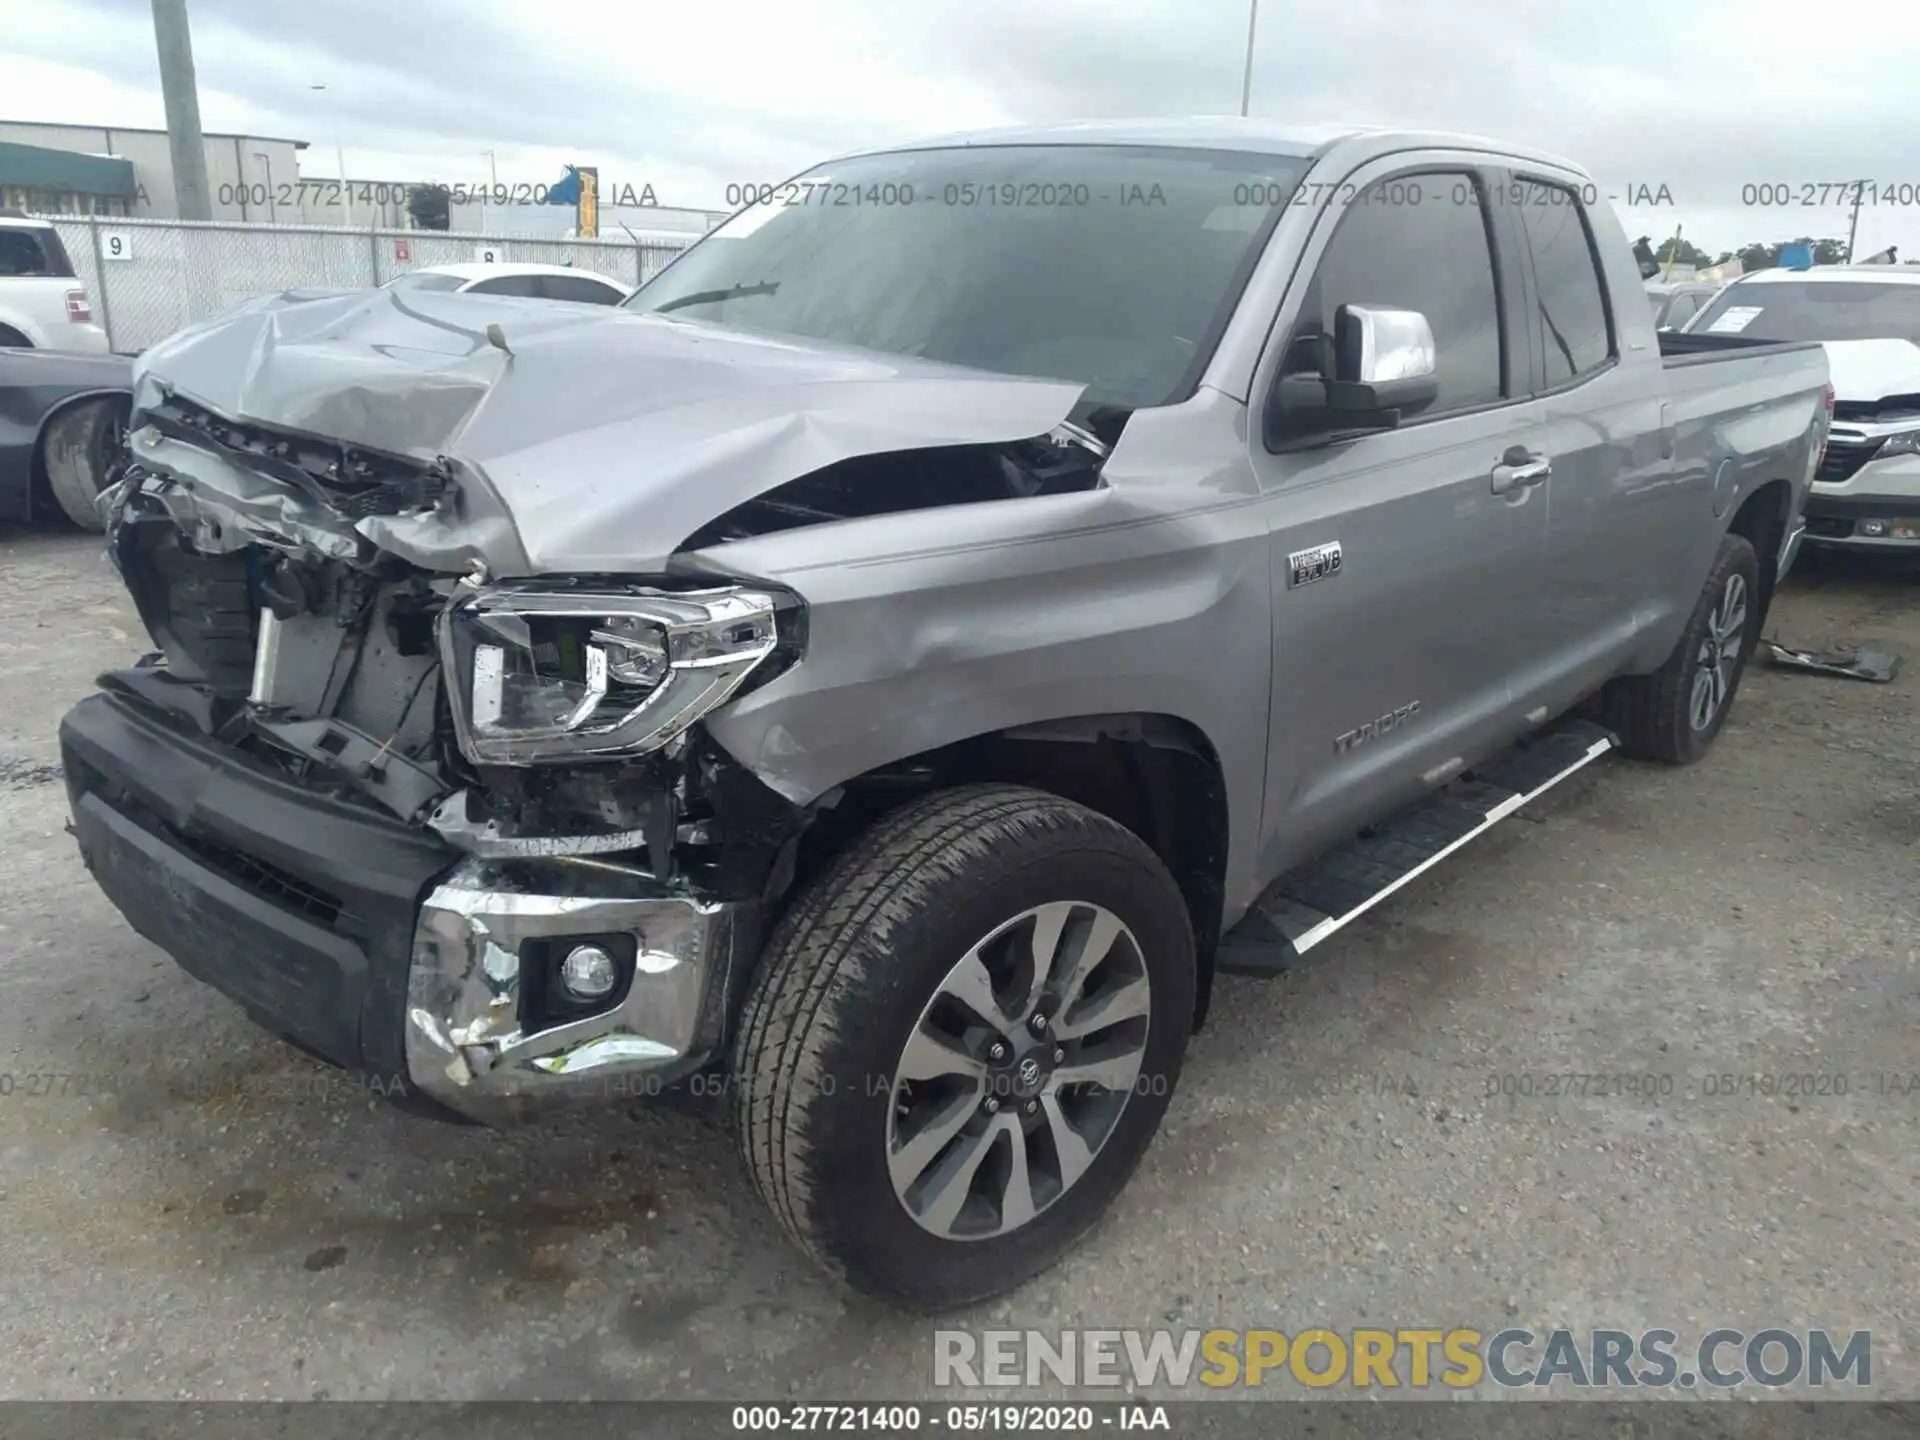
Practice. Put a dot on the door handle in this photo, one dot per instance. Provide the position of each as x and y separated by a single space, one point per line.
1520 470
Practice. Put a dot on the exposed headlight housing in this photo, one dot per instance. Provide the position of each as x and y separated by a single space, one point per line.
549 672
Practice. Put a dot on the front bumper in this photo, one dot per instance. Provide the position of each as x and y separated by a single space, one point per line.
375 946
1843 520
467 1042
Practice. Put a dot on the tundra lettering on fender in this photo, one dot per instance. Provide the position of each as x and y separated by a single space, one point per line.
771 685
1373 729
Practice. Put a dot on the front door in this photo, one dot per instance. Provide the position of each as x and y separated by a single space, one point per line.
1394 668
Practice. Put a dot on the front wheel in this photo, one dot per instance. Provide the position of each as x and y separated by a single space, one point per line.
962 1037
1675 713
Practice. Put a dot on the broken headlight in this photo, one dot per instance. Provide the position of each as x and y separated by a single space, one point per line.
543 673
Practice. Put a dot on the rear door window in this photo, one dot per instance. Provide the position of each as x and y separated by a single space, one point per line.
580 288
33 250
523 285
1575 332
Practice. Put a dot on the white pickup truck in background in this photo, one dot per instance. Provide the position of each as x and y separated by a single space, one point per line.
42 305
1866 493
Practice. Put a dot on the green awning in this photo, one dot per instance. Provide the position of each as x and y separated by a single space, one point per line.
34 167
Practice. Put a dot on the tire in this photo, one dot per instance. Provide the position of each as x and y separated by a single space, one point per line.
1656 716
80 448
857 966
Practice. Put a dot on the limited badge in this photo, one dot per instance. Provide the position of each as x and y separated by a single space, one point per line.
1307 566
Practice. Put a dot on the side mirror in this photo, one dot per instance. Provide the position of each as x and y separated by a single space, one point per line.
1383 360
1378 364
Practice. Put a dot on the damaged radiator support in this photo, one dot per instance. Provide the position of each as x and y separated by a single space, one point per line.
329 670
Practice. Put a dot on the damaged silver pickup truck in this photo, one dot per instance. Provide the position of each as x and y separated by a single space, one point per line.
770 681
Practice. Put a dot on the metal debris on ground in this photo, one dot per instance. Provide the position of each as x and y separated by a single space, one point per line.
1853 664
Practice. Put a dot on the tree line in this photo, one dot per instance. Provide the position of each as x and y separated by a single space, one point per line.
1678 251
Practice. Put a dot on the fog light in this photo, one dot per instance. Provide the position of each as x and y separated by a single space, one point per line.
1873 527
589 973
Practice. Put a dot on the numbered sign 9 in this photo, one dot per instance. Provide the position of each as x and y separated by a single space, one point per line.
116 244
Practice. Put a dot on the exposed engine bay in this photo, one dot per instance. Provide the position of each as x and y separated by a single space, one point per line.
287 634
332 672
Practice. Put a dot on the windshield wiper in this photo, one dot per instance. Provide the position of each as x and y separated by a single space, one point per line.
713 297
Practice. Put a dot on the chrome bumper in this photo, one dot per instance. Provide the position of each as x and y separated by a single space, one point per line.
465 1042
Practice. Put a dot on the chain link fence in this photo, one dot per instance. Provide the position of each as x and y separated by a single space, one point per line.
149 278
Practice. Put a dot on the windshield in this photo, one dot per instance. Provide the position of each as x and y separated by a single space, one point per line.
1115 267
417 281
1815 310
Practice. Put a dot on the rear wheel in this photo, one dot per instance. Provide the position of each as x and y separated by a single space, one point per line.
82 450
1675 713
961 1040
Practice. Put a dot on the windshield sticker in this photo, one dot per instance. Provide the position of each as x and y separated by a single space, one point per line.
1736 319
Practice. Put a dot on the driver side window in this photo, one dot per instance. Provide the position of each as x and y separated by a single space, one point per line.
1418 243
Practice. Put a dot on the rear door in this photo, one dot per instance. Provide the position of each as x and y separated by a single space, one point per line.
1395 667
1618 525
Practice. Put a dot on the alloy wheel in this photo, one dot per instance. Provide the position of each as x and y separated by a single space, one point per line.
1016 1072
1720 650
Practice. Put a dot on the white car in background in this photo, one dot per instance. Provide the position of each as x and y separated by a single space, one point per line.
541 282
1866 493
42 305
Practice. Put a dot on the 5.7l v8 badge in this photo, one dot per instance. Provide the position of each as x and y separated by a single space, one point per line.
1306 566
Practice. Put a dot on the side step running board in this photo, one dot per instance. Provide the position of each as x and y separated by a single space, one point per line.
1305 906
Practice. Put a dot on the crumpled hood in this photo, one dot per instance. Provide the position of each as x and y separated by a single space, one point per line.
607 437
1870 370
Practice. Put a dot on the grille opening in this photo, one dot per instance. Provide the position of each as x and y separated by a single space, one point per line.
249 872
1841 461
269 882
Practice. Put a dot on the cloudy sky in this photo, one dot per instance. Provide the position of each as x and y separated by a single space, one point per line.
1703 98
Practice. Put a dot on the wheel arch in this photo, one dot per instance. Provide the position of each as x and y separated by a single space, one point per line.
1762 519
39 499
1158 775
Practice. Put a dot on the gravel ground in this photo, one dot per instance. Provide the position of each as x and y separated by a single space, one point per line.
236 1222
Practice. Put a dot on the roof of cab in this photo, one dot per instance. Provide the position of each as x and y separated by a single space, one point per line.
1257 135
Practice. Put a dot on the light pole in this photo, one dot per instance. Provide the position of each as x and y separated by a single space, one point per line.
273 215
493 175
340 159
186 144
1853 226
1246 80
